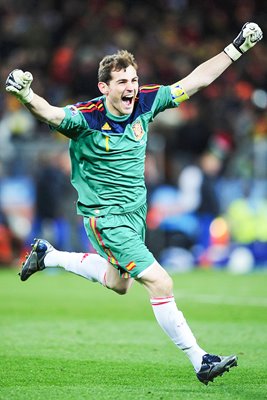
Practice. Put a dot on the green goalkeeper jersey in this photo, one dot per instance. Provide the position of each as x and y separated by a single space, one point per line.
108 152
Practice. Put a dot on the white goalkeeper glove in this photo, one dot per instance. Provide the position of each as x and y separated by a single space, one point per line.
250 34
19 84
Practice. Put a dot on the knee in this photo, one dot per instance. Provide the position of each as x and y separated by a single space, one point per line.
166 285
121 290
160 286
163 287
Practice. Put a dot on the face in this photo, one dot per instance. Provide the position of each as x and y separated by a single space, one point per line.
121 91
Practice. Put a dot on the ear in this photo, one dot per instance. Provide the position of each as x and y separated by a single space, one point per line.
103 87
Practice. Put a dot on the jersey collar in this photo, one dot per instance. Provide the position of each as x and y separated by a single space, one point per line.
113 117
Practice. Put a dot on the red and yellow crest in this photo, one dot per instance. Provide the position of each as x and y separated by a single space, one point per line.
138 130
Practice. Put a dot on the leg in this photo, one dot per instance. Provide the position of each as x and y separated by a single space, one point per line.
117 283
88 265
91 266
159 286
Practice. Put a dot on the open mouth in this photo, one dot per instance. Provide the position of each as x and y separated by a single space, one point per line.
127 100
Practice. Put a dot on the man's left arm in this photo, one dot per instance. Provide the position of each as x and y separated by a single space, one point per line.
210 70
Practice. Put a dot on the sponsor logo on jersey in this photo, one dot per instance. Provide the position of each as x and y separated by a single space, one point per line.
106 127
138 130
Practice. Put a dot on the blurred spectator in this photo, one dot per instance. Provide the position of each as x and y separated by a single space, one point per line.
16 212
247 220
185 212
15 124
10 245
54 196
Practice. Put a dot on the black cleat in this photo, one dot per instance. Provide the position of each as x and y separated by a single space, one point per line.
213 366
35 260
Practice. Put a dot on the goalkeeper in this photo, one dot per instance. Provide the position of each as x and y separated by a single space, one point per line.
108 137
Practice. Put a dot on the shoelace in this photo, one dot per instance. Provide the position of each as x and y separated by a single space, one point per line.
210 358
41 248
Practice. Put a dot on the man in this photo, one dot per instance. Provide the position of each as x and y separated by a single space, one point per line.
108 138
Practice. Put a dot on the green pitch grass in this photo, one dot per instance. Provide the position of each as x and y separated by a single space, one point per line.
62 337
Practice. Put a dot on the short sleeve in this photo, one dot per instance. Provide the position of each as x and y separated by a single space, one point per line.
74 123
163 100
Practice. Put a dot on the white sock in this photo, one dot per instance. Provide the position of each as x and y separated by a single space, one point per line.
90 266
175 326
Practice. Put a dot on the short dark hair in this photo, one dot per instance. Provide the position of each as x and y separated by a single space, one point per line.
115 62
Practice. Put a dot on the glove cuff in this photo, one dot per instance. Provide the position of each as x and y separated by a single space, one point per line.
232 52
28 98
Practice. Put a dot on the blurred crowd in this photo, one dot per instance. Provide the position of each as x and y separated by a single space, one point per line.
204 159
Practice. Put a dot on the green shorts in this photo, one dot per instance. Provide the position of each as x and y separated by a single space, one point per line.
120 240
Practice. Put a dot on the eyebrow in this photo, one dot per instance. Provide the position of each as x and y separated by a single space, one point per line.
125 80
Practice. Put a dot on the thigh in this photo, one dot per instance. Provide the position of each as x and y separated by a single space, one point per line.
119 238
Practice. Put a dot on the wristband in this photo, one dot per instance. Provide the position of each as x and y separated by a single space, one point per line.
232 52
28 98
178 93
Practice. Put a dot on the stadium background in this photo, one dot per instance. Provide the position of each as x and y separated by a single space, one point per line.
61 43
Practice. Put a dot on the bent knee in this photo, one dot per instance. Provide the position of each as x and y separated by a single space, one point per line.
121 291
120 287
118 290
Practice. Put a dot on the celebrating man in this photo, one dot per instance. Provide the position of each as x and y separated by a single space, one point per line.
108 137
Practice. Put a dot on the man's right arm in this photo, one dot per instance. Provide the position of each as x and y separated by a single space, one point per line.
18 83
44 111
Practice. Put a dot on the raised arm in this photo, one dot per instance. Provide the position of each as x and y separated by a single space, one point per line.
207 72
19 84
